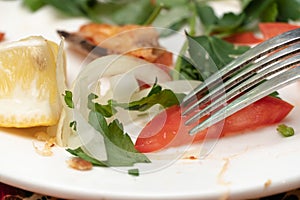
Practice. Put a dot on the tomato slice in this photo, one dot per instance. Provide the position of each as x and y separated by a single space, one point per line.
1 36
244 38
267 29
272 29
167 129
165 59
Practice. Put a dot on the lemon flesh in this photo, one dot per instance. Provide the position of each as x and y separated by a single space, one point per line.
28 88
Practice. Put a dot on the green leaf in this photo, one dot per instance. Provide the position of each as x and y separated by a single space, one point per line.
34 5
255 10
80 153
68 97
270 14
155 89
73 125
165 98
106 110
98 121
120 148
188 71
285 130
125 11
245 3
172 18
207 17
275 94
134 172
206 14
209 54
176 26
220 51
175 15
212 24
199 56
288 10
172 3
74 7
114 12
229 22
153 15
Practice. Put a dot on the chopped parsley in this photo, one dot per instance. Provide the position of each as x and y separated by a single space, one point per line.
119 147
68 96
134 172
285 130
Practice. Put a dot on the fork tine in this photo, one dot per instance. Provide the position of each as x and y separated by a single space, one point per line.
217 93
251 55
269 86
244 86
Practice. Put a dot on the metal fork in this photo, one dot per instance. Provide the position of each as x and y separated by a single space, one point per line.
260 71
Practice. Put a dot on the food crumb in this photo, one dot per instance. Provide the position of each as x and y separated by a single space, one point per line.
188 157
49 142
193 158
43 151
79 164
268 183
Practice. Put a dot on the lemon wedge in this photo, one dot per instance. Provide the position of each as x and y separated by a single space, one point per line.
28 85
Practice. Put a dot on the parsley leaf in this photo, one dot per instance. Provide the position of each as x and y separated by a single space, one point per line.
165 98
106 110
157 95
207 55
174 18
255 9
119 147
115 12
134 172
285 130
81 154
288 10
125 11
34 5
212 24
176 14
68 96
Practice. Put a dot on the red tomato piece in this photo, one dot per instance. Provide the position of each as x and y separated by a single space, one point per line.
272 29
143 85
167 129
165 59
244 38
1 36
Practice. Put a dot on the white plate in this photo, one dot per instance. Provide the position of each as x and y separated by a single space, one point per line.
245 166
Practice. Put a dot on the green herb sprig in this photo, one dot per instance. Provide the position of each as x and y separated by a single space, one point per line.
285 130
118 144
176 14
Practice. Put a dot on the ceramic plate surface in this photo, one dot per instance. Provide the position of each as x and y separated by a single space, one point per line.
253 164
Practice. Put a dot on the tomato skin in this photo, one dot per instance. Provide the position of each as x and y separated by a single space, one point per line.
167 129
1 36
244 38
267 29
165 59
272 29
265 112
